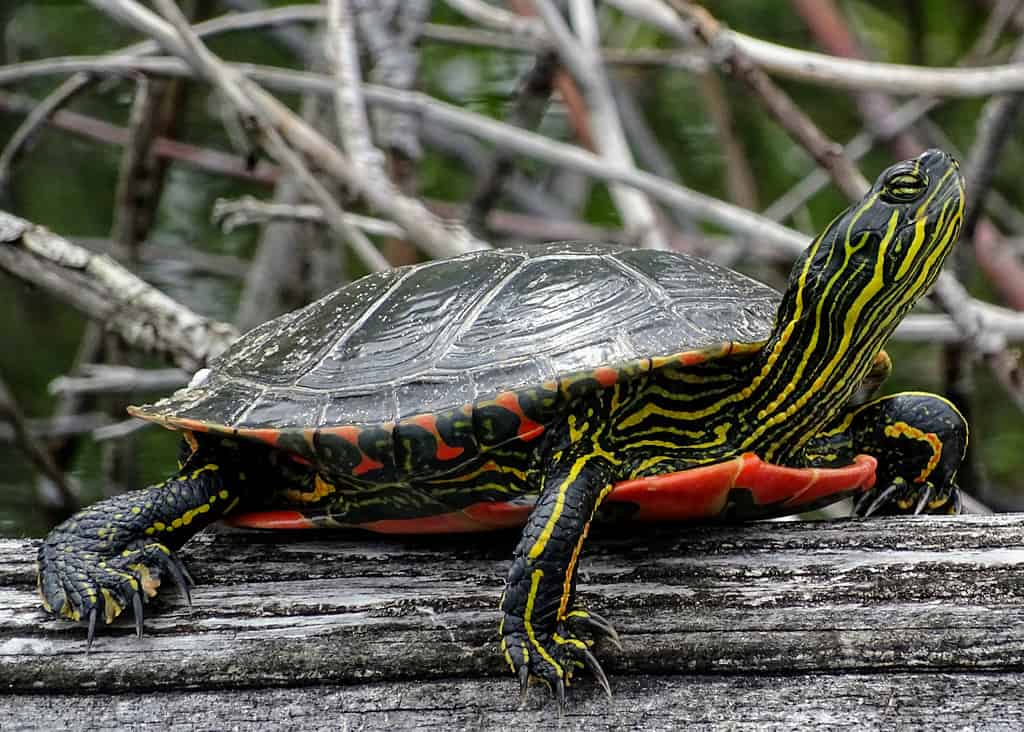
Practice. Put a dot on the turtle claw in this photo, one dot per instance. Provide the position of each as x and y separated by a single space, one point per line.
81 583
595 668
524 685
137 609
91 633
922 502
182 579
594 625
880 500
553 657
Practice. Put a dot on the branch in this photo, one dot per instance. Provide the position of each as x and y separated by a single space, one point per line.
105 291
819 68
580 56
431 235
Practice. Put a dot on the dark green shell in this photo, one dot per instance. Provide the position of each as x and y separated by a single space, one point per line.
435 337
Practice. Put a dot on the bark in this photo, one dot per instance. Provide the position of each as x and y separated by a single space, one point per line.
909 623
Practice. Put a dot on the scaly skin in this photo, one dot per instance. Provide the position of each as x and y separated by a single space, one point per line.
118 551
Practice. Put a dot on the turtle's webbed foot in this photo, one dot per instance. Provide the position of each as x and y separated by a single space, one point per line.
900 497
554 657
80 581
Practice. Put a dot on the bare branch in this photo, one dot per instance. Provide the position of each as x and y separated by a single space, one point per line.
96 378
580 56
819 68
23 436
105 291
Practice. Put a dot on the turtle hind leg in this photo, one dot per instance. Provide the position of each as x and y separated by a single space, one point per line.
115 554
919 440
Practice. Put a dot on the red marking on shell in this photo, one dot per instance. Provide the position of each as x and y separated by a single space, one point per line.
299 459
351 435
528 429
272 520
348 433
366 465
443 451
692 358
702 492
606 376
182 423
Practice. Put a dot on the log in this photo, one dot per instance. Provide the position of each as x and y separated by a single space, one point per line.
873 624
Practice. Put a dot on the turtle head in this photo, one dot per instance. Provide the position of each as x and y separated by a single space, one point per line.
848 292
877 258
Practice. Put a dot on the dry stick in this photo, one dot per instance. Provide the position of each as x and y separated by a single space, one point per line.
706 208
97 378
187 45
100 130
800 127
995 126
28 443
431 235
69 89
349 108
887 124
491 16
693 62
57 428
106 292
390 37
819 68
531 102
431 110
580 57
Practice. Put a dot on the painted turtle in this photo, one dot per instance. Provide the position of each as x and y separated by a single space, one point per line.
543 386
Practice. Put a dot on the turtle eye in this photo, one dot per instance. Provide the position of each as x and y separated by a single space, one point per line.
904 186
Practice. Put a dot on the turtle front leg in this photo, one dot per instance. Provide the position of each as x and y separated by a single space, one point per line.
116 552
919 440
539 618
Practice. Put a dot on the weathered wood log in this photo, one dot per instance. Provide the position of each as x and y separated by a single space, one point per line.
888 623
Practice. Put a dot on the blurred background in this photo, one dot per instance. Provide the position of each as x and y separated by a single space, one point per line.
684 119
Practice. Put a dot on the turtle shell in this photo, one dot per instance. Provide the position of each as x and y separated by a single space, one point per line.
453 336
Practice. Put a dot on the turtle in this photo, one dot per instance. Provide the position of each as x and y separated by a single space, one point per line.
549 387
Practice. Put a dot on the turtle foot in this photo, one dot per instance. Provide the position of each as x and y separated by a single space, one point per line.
552 658
80 582
901 498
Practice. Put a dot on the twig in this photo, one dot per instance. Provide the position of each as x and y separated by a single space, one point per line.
96 378
97 129
392 45
995 126
579 55
434 237
735 62
179 37
245 211
531 102
28 443
818 68
69 89
105 291
349 108
58 427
